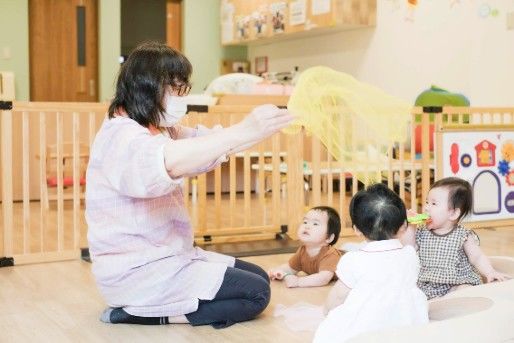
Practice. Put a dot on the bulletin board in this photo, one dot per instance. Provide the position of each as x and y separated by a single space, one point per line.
485 158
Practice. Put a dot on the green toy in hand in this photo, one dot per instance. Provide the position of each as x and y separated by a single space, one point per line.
418 219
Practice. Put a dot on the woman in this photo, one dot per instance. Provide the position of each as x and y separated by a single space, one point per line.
140 236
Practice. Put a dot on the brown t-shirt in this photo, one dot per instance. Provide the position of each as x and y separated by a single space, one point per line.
326 259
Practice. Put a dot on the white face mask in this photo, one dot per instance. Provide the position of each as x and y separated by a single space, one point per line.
176 108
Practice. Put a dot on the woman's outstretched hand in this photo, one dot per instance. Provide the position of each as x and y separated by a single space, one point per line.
261 123
264 121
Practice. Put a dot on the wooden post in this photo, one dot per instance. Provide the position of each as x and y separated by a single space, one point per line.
26 181
330 181
401 172
425 155
413 183
294 182
42 181
246 188
315 198
438 146
233 179
217 189
7 178
76 180
60 186
275 181
261 188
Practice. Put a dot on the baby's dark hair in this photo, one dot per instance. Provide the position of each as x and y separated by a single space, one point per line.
377 212
333 223
460 194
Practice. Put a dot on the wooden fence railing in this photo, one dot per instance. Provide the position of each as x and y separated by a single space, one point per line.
251 197
30 232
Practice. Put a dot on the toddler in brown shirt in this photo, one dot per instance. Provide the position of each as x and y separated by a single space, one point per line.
316 257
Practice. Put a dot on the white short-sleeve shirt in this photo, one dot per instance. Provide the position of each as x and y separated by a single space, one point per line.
382 276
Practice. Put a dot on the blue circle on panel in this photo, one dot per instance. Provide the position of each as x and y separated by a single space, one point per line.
509 202
466 160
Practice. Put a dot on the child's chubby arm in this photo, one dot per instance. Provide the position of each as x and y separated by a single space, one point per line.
337 296
278 273
321 278
480 261
408 237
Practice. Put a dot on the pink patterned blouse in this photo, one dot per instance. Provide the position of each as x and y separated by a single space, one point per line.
140 236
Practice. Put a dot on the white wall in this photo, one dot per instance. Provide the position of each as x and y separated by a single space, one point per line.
451 46
14 44
201 39
109 46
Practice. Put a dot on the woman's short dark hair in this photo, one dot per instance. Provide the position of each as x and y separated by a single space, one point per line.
377 212
143 79
333 224
460 194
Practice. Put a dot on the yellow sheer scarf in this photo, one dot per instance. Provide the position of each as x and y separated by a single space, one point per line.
356 122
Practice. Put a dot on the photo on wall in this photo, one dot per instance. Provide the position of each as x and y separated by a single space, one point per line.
278 16
260 22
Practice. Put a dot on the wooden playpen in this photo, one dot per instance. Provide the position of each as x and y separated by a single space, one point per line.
255 195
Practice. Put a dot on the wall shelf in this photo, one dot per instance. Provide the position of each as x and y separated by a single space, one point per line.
242 19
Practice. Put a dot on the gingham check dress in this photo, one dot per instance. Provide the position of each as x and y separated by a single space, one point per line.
444 263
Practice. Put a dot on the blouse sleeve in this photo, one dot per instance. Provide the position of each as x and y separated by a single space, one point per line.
346 271
202 131
133 163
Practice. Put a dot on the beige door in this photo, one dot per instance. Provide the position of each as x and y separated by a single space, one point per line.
63 45
174 24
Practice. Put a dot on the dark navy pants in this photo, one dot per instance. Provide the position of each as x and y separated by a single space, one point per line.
244 293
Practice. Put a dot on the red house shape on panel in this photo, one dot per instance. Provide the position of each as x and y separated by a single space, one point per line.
485 153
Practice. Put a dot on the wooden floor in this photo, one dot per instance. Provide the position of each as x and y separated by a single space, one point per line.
59 302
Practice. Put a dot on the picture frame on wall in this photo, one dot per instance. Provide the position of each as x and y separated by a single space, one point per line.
261 65
231 66
241 67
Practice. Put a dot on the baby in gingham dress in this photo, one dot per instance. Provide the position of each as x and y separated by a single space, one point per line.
449 254
444 262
